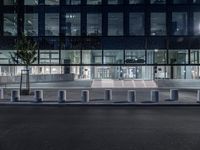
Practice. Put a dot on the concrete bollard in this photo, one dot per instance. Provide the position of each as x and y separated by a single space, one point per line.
108 94
61 96
174 94
85 97
2 94
198 96
38 95
15 96
131 97
155 96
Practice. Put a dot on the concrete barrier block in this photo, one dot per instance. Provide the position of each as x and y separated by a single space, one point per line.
108 94
85 97
155 96
174 94
38 95
131 97
198 96
61 96
1 93
15 96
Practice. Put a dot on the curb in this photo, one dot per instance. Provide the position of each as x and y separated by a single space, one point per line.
96 105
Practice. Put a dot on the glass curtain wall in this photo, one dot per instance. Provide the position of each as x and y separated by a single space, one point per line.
72 25
31 2
31 24
115 24
94 24
158 24
73 2
10 24
9 2
51 24
136 1
179 23
136 28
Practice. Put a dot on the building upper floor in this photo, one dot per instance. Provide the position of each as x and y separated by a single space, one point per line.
98 2
100 17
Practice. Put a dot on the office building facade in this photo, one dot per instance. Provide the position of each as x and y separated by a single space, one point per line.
105 39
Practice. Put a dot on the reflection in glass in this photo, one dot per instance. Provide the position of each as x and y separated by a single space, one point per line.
115 24
49 56
31 24
73 2
194 56
179 23
70 56
10 24
92 56
30 2
157 56
94 2
113 2
9 2
72 24
196 1
179 1
52 2
135 56
158 1
178 56
113 57
196 23
136 1
94 24
136 28
52 24
5 57
158 24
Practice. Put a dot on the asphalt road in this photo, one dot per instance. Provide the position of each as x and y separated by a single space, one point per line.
99 128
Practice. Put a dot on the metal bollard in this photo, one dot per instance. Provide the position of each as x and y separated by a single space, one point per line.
174 94
155 96
61 96
85 96
39 95
131 97
108 94
198 96
15 96
2 94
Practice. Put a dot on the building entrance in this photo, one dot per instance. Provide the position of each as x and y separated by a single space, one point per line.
103 73
133 72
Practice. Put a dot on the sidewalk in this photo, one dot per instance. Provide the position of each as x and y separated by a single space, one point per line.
186 97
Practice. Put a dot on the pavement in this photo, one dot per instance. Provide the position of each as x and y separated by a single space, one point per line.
73 96
73 89
99 128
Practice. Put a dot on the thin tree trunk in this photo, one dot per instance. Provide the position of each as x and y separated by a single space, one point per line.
27 80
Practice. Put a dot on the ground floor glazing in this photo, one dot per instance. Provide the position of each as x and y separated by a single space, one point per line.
111 72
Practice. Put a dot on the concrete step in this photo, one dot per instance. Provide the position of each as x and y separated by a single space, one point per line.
124 84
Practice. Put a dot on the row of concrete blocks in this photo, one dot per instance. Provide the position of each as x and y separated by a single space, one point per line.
85 96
